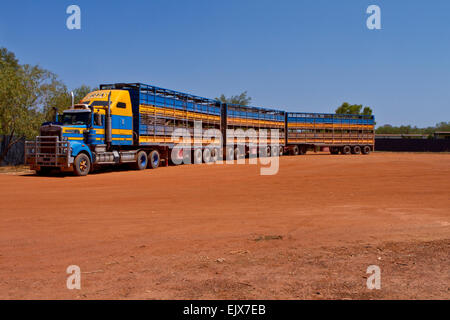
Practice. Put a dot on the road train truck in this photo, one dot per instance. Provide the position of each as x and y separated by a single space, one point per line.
133 123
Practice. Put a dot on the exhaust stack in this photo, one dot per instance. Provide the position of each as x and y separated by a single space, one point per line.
73 99
108 124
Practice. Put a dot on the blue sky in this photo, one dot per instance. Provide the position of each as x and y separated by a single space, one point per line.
299 55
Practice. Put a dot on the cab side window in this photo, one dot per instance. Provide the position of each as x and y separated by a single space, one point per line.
121 105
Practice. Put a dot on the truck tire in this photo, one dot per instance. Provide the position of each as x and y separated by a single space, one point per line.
176 157
154 159
274 151
366 149
141 160
230 153
346 150
237 153
295 151
207 155
356 150
81 165
214 154
198 156
187 157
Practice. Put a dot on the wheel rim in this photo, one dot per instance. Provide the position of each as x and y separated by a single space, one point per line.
83 165
155 159
198 155
207 155
230 154
143 160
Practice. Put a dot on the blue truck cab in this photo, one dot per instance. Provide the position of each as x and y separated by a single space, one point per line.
98 130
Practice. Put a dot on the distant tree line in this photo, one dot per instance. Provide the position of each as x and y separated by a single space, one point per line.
347 108
388 129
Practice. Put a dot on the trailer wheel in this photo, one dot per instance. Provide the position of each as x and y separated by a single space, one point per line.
230 153
81 165
198 156
154 159
214 154
295 150
366 150
187 156
346 150
141 160
356 150
276 151
207 155
237 153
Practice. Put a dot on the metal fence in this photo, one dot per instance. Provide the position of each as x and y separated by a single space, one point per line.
15 155
413 145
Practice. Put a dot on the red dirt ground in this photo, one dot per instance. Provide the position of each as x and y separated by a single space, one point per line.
226 232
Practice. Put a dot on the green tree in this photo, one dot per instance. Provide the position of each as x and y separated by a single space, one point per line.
20 93
27 97
347 108
57 96
241 99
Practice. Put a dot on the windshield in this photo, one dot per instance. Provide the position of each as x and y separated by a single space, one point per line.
76 118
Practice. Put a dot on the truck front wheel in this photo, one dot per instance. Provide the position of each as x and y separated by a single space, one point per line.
81 165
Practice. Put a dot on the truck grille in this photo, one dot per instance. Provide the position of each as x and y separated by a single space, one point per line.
47 151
